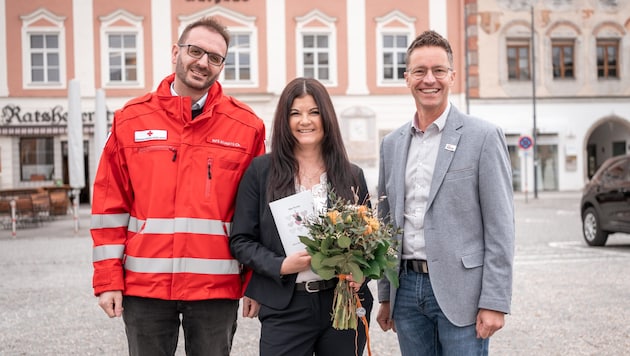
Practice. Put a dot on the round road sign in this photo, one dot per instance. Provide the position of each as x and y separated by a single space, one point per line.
525 142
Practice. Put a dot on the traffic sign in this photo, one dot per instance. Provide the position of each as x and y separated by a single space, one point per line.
525 142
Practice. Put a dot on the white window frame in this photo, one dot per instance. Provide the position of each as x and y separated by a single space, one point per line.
327 28
123 67
384 26
55 26
243 25
122 22
252 82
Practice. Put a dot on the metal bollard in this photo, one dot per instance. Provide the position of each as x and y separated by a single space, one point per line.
13 218
75 208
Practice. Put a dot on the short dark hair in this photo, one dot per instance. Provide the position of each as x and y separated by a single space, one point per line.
430 38
211 24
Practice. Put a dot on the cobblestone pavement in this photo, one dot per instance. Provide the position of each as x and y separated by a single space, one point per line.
569 299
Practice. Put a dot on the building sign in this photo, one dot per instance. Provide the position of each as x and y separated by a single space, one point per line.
14 121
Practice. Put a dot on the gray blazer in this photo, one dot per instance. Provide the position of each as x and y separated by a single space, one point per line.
469 218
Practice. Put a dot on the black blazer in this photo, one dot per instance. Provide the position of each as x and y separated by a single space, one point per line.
255 242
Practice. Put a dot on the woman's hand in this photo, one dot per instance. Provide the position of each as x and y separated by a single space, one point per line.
294 263
250 308
356 285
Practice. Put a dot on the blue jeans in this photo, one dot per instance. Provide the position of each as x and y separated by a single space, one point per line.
421 326
152 326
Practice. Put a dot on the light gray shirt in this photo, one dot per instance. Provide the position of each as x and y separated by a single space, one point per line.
421 158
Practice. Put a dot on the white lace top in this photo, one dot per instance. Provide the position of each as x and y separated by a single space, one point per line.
320 203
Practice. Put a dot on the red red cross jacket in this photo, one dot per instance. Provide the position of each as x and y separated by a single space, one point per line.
164 192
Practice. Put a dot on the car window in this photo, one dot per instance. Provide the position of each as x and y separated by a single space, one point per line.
626 176
617 172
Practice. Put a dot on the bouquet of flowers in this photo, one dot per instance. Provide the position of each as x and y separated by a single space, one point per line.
350 239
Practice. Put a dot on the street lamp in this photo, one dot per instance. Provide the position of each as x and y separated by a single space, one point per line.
534 133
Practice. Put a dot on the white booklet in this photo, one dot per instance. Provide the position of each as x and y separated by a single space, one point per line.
290 214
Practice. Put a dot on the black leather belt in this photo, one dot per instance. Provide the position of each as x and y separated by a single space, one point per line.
418 266
316 286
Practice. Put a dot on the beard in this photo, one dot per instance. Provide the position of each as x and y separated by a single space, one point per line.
198 82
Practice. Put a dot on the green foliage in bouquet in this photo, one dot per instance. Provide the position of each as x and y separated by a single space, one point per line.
349 238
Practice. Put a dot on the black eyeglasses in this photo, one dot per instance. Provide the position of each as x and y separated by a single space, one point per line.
438 72
198 52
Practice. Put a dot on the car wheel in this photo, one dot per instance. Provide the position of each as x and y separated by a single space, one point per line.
593 233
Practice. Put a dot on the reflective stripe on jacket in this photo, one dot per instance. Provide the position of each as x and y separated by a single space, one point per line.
164 194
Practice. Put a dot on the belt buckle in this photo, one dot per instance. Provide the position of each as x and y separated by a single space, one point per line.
423 266
419 266
307 287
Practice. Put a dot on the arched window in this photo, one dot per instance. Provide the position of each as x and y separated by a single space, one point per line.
607 44
562 36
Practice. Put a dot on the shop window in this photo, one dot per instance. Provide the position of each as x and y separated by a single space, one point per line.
547 176
36 158
515 160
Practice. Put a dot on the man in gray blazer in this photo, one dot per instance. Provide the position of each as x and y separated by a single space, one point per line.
447 182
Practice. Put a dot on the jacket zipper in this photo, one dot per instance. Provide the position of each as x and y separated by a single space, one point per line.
209 180
174 150
156 148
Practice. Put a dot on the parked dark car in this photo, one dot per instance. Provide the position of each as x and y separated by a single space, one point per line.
605 204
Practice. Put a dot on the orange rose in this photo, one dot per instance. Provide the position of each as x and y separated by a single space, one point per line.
372 224
332 215
362 210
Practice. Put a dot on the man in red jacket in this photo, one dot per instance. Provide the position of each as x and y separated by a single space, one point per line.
164 200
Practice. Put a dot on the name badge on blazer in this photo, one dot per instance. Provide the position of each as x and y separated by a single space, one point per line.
450 147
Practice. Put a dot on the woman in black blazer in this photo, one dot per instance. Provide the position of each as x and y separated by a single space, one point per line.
307 153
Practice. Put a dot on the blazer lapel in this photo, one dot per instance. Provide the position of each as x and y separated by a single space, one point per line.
400 165
446 151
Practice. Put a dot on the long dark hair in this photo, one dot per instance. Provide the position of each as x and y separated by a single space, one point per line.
284 165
